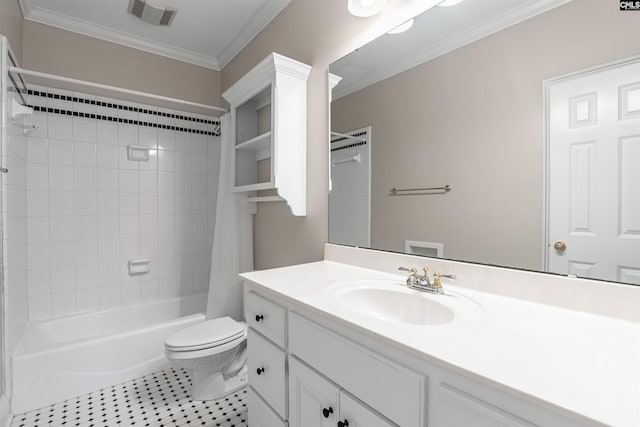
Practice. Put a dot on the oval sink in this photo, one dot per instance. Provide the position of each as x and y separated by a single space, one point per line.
392 302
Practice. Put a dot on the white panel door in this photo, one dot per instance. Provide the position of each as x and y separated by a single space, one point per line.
594 175
313 399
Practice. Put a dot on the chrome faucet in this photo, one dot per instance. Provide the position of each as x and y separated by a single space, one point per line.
423 282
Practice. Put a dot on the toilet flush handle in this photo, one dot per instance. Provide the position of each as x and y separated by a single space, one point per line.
259 371
259 317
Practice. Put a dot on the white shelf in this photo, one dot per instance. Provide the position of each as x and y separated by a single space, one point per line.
254 187
259 143
266 199
254 109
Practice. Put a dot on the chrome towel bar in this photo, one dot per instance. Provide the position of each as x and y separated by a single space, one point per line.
417 191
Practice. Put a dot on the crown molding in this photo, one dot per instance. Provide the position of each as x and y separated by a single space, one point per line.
256 24
450 44
248 32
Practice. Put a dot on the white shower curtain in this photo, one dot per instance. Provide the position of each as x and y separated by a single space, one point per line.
232 239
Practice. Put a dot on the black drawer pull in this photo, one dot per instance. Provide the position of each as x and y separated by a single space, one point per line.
259 317
260 371
326 412
344 423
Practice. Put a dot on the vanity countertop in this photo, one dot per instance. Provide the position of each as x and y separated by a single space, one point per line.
586 364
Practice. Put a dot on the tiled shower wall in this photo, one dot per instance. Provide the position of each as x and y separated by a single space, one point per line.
350 196
90 210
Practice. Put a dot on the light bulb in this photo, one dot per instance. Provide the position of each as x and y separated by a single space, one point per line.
365 8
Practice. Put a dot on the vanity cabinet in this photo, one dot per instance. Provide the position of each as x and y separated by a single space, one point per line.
317 402
307 369
269 131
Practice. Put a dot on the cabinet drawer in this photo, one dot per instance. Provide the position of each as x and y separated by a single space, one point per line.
396 392
267 375
265 317
260 415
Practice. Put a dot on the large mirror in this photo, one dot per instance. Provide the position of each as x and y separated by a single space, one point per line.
459 139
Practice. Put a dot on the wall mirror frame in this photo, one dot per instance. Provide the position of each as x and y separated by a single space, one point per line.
465 105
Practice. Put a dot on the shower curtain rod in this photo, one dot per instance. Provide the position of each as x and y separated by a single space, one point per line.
113 88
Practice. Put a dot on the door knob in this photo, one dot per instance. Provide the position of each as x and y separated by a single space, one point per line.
560 246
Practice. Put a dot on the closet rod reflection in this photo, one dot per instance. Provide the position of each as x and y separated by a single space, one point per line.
394 191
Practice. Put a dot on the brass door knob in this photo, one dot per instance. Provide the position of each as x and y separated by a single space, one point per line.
560 246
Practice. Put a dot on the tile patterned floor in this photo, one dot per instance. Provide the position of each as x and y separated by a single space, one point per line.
157 400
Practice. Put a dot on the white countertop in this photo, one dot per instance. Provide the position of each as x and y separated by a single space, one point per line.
584 363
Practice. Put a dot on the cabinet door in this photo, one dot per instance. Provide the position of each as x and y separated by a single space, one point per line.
355 414
313 400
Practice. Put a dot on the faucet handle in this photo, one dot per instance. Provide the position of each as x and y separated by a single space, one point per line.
410 270
437 276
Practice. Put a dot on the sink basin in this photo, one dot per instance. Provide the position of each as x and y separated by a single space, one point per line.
392 302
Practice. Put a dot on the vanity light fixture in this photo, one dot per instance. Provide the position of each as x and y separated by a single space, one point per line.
365 8
402 27
447 3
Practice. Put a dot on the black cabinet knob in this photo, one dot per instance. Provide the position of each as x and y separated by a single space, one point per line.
260 371
259 317
326 412
344 423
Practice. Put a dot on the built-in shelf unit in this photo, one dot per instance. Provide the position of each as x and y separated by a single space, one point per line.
269 126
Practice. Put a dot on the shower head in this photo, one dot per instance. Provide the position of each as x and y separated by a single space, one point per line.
152 13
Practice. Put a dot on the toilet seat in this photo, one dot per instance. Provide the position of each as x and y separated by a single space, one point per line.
206 335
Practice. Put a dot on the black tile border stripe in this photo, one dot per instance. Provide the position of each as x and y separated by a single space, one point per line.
355 144
124 108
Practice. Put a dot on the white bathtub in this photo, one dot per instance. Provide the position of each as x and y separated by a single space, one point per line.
65 357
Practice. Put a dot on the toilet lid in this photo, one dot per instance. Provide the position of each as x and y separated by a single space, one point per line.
206 334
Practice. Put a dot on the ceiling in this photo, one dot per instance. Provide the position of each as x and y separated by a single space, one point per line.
208 33
436 32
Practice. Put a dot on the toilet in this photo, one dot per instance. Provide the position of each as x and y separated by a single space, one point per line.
214 352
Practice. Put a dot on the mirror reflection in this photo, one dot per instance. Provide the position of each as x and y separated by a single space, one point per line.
528 110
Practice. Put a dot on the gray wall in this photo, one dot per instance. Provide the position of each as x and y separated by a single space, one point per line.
11 25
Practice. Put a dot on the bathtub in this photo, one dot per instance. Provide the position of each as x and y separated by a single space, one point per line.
66 357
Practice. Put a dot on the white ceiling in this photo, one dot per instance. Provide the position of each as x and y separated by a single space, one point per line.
437 31
204 32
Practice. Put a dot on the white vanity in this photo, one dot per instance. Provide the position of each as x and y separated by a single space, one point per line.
343 342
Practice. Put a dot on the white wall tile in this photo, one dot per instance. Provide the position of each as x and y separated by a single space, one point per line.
84 178
86 227
109 297
38 256
59 127
108 249
84 129
128 180
107 179
86 252
61 228
63 303
37 203
183 142
88 300
61 203
63 279
108 274
60 152
123 160
38 230
61 178
108 227
166 182
106 156
148 181
37 151
129 203
107 133
108 203
87 276
39 282
127 134
166 139
166 161
39 307
85 203
84 153
62 254
37 177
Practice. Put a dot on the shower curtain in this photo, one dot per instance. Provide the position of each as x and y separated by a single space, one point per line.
232 239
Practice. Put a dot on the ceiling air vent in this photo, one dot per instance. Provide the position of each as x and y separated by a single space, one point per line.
152 13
